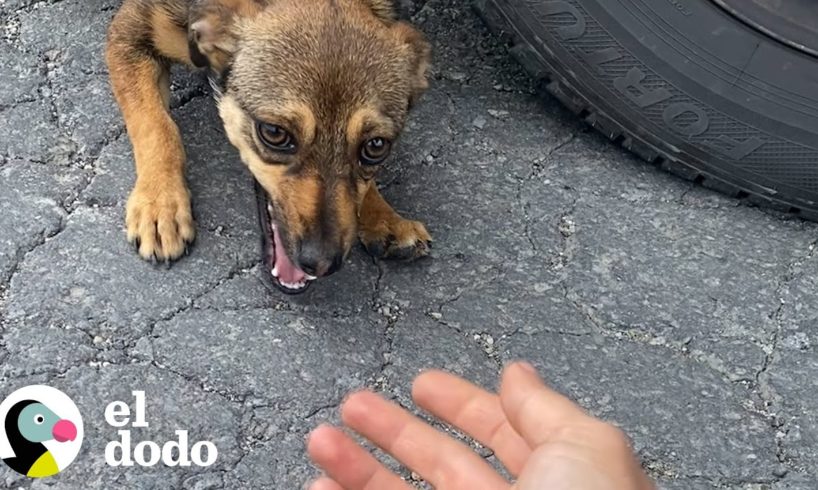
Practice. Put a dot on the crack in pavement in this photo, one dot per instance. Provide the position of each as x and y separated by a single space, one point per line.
333 405
567 231
380 381
624 332
232 396
229 396
750 384
66 209
533 173
492 274
191 303
55 373
39 241
483 340
762 385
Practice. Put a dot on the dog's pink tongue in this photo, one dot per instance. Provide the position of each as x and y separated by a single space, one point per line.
287 271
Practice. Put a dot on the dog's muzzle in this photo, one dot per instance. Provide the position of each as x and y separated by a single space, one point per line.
279 269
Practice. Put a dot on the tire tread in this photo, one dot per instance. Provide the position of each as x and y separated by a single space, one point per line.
549 72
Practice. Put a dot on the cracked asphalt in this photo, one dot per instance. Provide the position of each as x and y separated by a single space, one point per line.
685 317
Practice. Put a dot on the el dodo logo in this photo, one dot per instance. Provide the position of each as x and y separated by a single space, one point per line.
40 431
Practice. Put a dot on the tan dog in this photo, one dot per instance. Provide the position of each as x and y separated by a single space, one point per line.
313 94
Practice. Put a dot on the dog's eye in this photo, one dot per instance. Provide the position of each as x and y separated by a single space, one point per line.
375 151
275 137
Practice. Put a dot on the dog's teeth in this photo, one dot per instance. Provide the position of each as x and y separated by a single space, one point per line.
293 286
311 278
269 208
275 271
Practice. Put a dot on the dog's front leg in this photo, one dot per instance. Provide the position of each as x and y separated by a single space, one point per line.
386 234
158 214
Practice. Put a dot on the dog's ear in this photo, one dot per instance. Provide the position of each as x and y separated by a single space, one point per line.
420 54
211 42
383 10
212 38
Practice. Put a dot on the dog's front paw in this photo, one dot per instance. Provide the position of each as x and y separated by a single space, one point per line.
159 220
400 238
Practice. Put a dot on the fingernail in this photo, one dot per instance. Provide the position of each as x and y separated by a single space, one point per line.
526 366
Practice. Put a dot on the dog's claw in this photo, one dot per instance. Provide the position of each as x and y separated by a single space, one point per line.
418 250
389 250
375 249
399 242
159 220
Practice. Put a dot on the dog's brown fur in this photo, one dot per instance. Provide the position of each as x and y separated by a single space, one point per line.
334 73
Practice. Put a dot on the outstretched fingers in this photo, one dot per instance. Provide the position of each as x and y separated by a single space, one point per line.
475 411
441 460
535 411
348 466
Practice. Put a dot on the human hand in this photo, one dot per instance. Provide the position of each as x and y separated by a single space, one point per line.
544 440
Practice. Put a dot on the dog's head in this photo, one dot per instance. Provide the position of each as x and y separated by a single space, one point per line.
314 95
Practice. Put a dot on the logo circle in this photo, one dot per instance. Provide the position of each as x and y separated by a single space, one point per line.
41 431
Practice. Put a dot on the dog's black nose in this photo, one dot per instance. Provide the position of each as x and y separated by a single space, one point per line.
312 261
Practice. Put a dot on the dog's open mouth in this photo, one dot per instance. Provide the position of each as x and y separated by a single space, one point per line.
279 268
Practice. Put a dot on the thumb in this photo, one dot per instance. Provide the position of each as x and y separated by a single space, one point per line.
533 409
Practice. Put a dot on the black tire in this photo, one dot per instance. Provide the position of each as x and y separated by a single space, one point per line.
682 84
